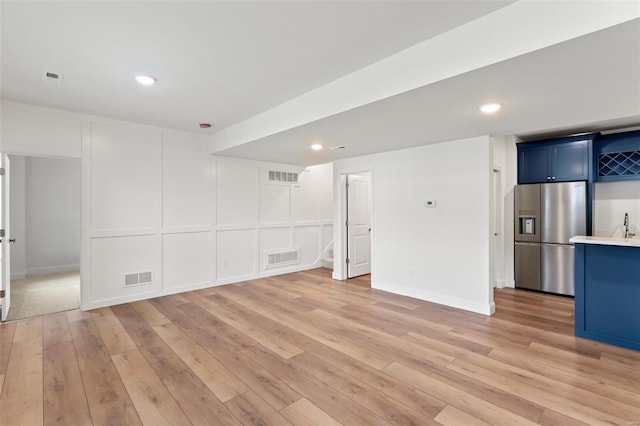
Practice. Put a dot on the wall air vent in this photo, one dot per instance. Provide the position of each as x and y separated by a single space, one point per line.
284 177
52 77
145 277
130 279
138 278
278 258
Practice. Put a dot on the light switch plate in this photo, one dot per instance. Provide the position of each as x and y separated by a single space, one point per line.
430 203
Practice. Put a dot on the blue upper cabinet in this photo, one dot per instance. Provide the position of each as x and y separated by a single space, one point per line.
570 161
555 160
533 164
617 157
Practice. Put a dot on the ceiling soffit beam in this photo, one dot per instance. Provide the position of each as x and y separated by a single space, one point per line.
517 29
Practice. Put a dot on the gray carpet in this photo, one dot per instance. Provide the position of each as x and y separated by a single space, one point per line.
44 294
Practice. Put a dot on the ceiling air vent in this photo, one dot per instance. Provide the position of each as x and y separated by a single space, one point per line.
52 77
285 177
278 258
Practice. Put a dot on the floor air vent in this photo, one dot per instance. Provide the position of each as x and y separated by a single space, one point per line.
287 177
139 278
276 259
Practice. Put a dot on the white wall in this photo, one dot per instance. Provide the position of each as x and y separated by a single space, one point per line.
18 217
611 201
30 130
45 215
438 254
161 204
511 179
256 216
52 215
154 201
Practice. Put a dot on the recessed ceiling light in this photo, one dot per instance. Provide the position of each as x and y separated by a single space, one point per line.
316 147
205 125
146 80
490 108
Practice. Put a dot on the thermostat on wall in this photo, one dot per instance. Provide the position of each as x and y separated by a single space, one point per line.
430 203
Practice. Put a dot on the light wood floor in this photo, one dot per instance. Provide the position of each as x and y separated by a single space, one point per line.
303 349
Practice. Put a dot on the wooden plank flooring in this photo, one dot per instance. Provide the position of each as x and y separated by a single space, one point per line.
302 349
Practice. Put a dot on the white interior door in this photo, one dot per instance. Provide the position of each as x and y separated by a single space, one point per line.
5 274
358 225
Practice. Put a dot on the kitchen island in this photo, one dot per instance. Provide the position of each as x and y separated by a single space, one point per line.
607 290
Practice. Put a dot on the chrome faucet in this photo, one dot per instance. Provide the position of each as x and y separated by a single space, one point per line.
627 234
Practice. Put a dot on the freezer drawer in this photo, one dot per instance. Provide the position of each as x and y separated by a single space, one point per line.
558 269
527 265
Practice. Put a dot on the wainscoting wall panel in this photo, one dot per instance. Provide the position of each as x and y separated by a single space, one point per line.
154 201
188 259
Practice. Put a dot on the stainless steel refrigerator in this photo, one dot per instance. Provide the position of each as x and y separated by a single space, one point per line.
546 216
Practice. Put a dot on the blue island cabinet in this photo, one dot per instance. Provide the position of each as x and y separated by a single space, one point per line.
607 299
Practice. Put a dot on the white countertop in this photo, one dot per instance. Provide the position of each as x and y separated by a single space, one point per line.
607 241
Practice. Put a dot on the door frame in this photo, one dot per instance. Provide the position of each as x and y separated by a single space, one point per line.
5 245
340 218
84 198
497 228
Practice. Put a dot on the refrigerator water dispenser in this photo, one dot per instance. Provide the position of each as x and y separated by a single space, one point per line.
527 225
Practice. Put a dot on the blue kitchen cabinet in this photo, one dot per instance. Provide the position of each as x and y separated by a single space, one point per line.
617 157
608 292
570 161
533 163
555 160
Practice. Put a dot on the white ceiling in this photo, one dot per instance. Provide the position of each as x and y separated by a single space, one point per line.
227 62
217 62
585 84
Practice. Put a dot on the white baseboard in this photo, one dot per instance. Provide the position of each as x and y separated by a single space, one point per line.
17 276
119 300
189 287
53 269
468 305
510 284
267 273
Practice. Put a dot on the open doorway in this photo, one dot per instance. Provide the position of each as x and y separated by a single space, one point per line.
358 224
45 233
